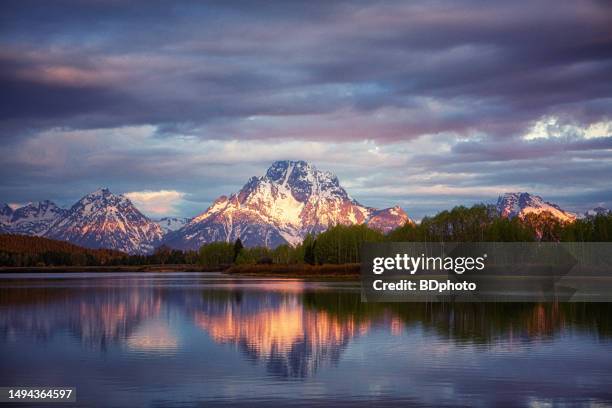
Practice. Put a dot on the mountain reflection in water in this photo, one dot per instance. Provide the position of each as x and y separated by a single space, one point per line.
292 340
222 331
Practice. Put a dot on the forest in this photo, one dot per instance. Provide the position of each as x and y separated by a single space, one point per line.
28 251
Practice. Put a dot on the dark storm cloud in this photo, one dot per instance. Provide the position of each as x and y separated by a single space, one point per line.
472 75
28 99
227 60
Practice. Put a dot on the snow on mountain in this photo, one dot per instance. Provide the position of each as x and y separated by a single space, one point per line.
520 204
31 219
6 213
105 220
388 219
291 200
168 224
596 211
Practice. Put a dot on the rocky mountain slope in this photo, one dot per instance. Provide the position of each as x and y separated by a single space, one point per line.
291 200
595 212
520 204
6 213
168 224
104 220
31 219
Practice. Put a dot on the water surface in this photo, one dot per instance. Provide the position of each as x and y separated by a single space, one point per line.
191 340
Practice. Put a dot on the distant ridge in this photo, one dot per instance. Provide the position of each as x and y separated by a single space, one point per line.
31 219
168 224
520 204
596 211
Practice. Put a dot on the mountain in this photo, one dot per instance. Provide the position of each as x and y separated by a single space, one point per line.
520 204
387 219
105 220
168 224
595 212
31 219
291 200
6 213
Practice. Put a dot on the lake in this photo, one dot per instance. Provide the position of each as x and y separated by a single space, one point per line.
206 339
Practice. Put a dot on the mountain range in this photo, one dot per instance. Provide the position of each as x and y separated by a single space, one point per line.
291 200
31 219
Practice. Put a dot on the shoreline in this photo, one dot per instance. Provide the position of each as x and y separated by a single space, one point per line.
293 271
327 271
109 268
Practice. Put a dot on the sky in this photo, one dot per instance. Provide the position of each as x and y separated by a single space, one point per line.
426 105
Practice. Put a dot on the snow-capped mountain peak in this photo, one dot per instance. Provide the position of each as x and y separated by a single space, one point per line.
6 213
520 204
292 199
388 219
32 218
101 199
102 219
596 211
304 179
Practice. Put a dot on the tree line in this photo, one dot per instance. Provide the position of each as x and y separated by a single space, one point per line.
480 223
28 251
23 250
338 245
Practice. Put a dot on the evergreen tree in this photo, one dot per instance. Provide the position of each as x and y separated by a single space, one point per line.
237 248
309 245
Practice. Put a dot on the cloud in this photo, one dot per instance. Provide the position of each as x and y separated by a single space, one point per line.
156 203
552 127
330 74
426 104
